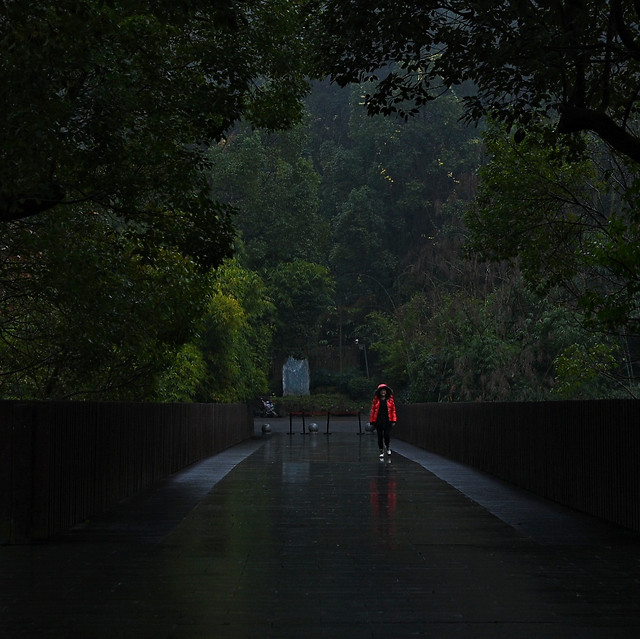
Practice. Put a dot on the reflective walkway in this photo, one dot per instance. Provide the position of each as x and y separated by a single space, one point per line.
303 536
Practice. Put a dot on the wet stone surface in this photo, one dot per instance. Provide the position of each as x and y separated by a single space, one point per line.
313 536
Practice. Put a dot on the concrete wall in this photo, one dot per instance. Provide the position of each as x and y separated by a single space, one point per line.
63 462
582 454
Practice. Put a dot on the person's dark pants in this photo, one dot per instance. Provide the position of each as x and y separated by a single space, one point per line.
384 434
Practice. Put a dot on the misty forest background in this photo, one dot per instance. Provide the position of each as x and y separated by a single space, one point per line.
451 260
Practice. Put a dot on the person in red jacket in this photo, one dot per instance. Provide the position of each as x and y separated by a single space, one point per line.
383 417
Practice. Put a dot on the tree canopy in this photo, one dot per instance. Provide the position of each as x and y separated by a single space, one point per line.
84 315
144 143
577 62
571 224
113 105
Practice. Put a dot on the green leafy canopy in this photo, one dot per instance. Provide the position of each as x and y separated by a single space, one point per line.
113 105
575 62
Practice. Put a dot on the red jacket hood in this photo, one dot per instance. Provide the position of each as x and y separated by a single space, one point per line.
381 386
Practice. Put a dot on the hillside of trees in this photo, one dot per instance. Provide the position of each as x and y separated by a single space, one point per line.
383 234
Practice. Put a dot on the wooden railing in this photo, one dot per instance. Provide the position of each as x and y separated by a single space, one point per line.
582 454
63 462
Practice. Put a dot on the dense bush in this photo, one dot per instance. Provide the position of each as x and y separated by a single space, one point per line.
337 403
350 383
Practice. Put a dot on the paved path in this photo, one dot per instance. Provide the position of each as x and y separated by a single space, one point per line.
304 536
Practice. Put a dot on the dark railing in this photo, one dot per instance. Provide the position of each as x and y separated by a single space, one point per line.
63 462
582 454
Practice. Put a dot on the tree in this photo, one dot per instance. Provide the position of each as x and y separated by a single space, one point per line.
385 187
84 315
236 333
270 181
303 294
114 105
360 246
507 344
571 224
563 75
575 62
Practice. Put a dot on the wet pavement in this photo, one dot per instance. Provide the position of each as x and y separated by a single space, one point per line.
302 536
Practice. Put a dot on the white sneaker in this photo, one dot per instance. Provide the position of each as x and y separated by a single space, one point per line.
382 454
388 450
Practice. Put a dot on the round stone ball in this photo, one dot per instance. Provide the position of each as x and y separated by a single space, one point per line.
313 428
266 428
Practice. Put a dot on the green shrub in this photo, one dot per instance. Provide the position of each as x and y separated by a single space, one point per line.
334 402
351 383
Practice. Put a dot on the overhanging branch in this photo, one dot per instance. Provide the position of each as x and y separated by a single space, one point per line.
18 207
574 119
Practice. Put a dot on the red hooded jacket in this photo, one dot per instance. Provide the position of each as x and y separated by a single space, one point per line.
375 405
